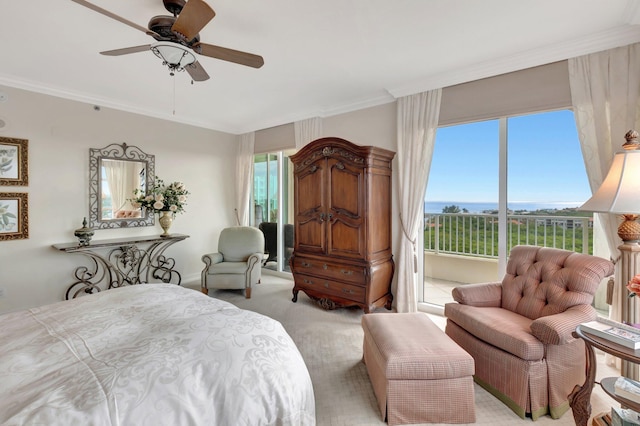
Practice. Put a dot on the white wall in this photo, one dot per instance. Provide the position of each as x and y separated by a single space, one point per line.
60 133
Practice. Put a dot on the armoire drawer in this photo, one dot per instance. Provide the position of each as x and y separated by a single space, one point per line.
329 287
337 271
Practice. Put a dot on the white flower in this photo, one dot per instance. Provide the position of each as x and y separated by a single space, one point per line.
162 197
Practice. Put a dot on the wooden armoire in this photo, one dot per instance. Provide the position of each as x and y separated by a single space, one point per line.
342 218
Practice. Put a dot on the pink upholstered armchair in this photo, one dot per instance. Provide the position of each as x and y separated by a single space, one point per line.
519 331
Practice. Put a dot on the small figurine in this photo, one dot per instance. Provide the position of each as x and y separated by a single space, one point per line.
84 234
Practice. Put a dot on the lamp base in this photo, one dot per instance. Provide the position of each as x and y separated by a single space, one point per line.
626 268
629 229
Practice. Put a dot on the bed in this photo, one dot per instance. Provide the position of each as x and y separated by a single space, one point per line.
150 354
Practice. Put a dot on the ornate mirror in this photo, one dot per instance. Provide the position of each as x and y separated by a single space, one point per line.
115 171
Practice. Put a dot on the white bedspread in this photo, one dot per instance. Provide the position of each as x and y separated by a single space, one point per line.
151 354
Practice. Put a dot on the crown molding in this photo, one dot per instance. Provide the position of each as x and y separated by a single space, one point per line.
39 88
622 36
318 112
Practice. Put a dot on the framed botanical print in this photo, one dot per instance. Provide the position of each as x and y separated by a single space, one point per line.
14 162
14 216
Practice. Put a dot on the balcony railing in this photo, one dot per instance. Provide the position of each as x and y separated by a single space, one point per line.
477 234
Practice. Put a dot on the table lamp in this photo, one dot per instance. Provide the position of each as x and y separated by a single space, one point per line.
620 194
620 190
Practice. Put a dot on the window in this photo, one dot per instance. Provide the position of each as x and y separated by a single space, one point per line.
265 187
272 192
497 183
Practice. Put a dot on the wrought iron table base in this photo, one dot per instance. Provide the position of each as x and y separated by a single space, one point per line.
124 263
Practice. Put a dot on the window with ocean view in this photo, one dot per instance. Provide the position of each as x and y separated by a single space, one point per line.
498 183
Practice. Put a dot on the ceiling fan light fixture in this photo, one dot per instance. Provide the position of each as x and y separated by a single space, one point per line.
173 55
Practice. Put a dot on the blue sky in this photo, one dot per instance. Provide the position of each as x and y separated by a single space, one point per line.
545 162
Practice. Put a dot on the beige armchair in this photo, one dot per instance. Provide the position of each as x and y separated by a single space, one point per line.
238 262
519 331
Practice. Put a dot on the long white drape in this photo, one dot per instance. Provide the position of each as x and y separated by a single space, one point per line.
122 178
605 91
244 178
417 124
307 131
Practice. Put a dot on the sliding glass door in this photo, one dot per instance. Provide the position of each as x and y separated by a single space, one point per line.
498 183
273 214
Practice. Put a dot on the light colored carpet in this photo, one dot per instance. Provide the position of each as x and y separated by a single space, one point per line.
331 345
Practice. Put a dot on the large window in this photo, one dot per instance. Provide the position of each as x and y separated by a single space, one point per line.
265 187
498 183
272 194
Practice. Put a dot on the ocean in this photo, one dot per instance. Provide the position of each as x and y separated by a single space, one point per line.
437 206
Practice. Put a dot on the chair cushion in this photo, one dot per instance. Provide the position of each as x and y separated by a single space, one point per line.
228 268
499 327
237 243
544 281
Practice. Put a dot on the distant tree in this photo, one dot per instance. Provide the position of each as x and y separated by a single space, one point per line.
451 209
465 210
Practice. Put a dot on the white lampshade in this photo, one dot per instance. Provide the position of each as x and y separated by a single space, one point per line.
173 54
620 191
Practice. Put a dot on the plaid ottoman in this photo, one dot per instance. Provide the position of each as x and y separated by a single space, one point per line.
419 375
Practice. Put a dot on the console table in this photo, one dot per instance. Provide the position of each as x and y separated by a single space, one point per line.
122 261
580 398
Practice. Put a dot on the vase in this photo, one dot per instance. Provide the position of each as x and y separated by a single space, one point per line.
84 234
165 219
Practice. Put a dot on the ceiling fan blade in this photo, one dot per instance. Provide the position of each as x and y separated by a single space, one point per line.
229 55
113 16
196 72
126 50
193 17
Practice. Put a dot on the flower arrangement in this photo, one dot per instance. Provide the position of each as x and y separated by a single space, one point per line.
634 286
162 197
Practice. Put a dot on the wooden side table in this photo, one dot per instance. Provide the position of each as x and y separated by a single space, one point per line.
580 398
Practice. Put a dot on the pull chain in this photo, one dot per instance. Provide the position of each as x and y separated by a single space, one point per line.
174 95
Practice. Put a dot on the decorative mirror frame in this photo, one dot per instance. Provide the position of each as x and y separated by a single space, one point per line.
117 152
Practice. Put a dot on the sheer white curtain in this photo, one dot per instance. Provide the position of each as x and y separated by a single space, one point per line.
417 124
307 131
116 174
244 178
605 92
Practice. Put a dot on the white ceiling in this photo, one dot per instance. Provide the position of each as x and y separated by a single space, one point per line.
321 57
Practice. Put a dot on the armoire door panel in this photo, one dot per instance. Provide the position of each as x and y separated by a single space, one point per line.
310 191
310 235
346 186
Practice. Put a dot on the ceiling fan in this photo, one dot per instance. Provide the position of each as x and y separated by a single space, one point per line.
177 38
